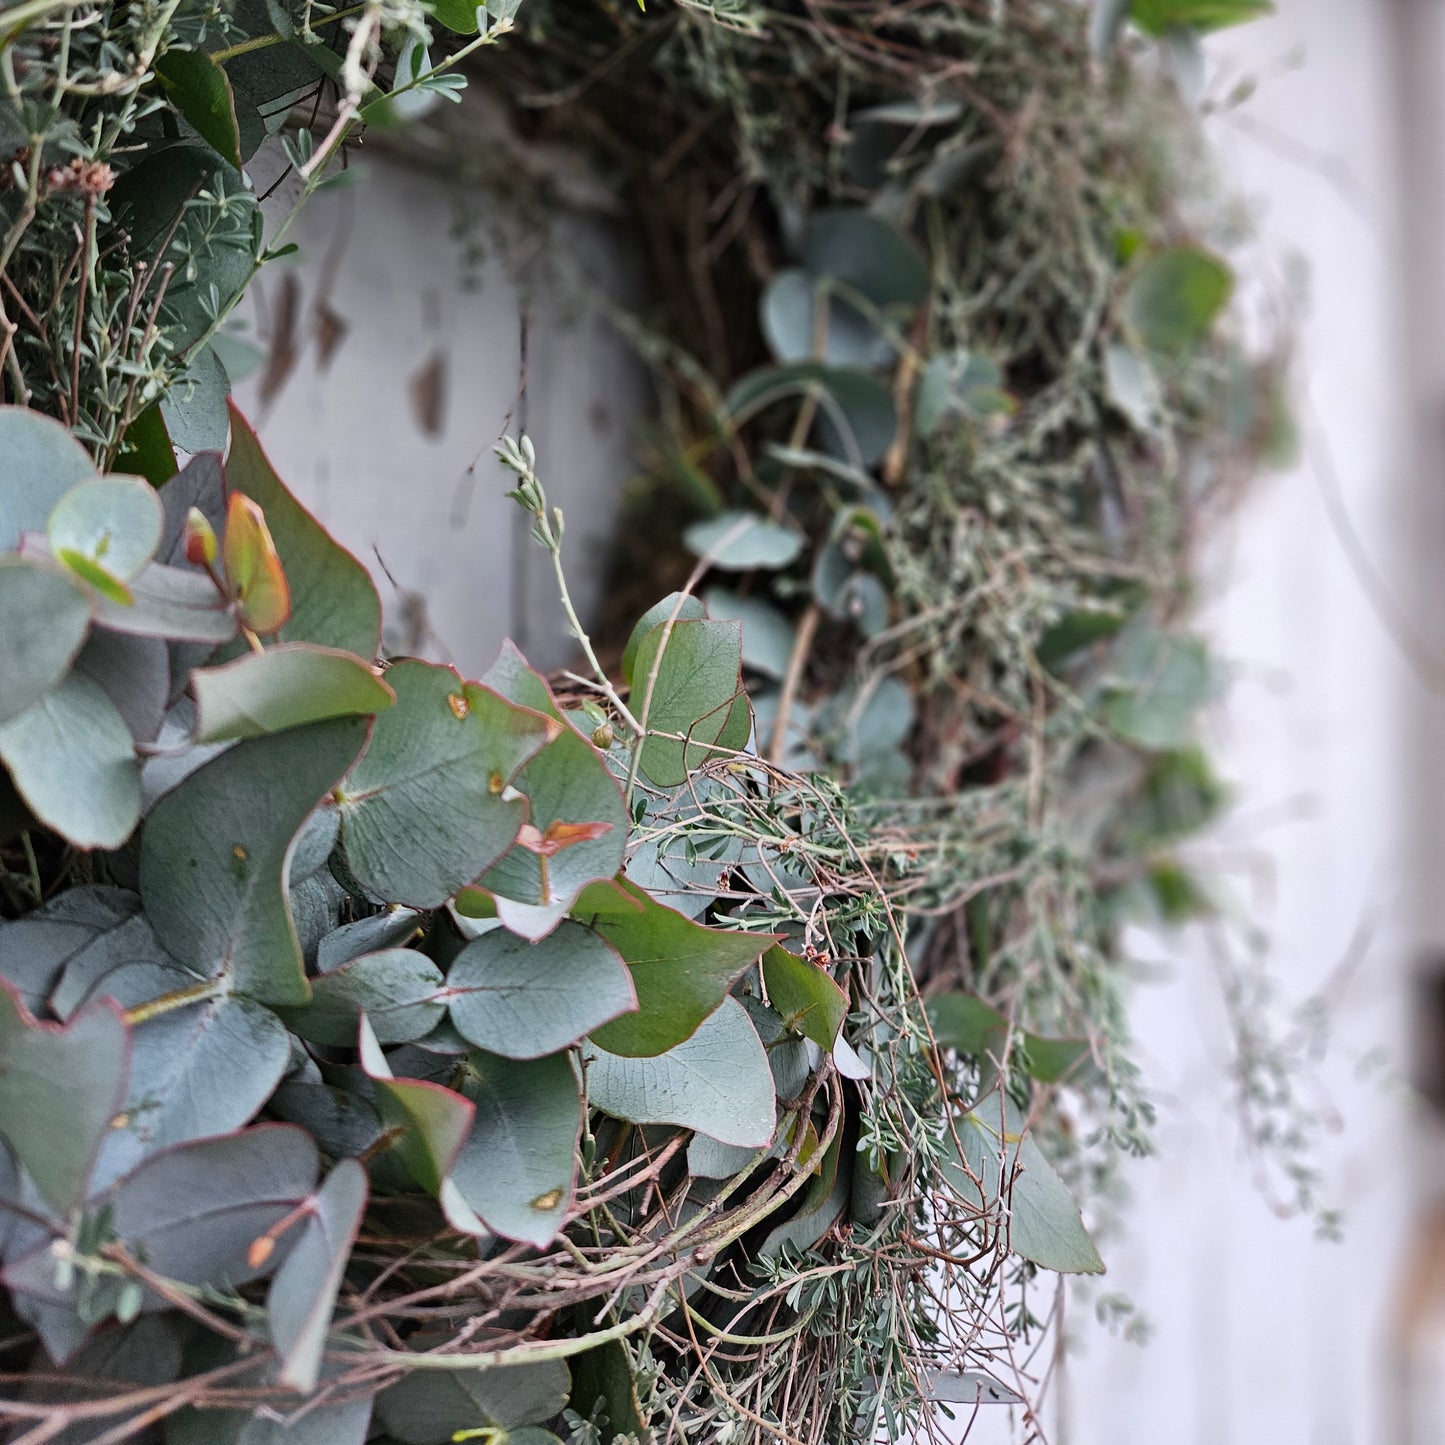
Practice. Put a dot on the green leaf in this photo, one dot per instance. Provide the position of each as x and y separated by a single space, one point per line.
347 1424
59 1089
36 948
199 89
698 667
284 687
524 1000
1158 17
332 599
303 1293
399 990
1173 301
517 1170
789 317
807 998
459 16
434 1122
687 609
197 1071
426 1407
146 449
39 462
567 783
767 634
44 618
717 1082
682 971
71 758
1033 1206
256 578
193 1212
194 407
867 255
173 603
960 1021
135 674
216 850
426 810
391 929
604 1377
113 522
1156 684
856 416
740 541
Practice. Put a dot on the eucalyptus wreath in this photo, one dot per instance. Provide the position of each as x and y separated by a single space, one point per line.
713 1044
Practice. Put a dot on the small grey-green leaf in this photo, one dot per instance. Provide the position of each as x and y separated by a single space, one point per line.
398 989
59 1089
71 757
740 541
303 1293
717 1082
39 462
517 1168
523 999
114 522
44 617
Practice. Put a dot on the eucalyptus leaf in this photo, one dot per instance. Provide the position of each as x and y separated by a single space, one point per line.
39 462
717 1081
135 674
686 680
303 1292
173 603
682 971
741 541
425 810
194 408
194 1212
427 1407
810 1002
675 607
35 949
400 990
1021 1190
216 850
333 602
517 1169
433 1122
71 758
60 1086
573 802
283 687
113 523
44 618
768 635
523 999
1173 301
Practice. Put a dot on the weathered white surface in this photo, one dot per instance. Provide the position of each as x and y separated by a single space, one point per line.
419 309
1261 1332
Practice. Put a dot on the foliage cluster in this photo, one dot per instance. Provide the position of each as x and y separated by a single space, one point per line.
709 1048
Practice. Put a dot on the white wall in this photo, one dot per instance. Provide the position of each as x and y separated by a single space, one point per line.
384 258
1262 1332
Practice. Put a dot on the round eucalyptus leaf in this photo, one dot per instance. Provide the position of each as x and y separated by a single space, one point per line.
71 758
113 522
39 462
740 541
867 255
1173 301
523 1000
44 617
